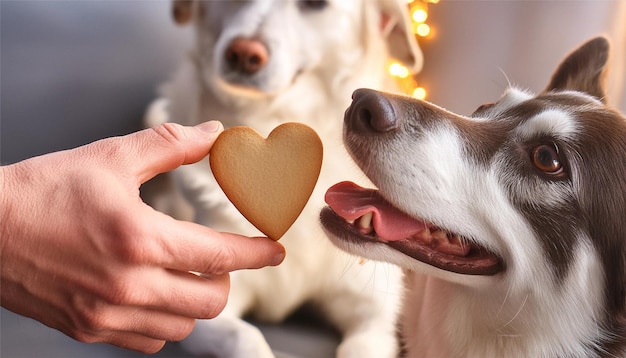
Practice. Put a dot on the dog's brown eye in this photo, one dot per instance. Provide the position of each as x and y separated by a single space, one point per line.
312 4
545 157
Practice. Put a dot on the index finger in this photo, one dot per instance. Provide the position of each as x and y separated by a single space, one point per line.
187 246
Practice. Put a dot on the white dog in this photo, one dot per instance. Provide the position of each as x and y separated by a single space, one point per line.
510 224
259 64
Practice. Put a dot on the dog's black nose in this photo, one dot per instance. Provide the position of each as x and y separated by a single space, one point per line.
370 111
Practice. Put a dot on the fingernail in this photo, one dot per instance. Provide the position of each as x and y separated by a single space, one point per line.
210 126
278 259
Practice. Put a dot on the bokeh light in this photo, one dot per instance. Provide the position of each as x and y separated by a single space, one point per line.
418 10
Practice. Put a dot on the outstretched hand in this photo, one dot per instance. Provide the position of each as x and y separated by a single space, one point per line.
82 253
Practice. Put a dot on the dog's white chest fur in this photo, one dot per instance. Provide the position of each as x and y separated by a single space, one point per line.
259 64
447 319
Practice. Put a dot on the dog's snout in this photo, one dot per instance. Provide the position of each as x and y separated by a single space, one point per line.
371 111
246 55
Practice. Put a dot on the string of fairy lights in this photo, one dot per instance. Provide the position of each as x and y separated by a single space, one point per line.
418 10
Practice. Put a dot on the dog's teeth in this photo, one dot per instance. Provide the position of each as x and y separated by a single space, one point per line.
350 222
440 234
424 235
365 222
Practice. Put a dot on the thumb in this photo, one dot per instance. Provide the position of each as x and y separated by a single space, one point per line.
170 145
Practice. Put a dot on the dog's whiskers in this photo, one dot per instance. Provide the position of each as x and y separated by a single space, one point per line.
510 335
506 297
508 81
515 315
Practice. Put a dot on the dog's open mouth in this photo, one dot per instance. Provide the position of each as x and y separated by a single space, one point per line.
359 214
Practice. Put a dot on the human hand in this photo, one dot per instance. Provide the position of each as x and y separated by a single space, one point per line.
82 253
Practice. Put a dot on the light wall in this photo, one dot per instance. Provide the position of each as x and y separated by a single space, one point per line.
478 46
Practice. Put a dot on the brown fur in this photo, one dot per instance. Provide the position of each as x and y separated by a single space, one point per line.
584 207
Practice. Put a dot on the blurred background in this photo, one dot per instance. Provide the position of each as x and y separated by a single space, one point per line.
476 47
74 71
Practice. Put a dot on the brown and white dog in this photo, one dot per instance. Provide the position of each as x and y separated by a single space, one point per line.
510 224
261 63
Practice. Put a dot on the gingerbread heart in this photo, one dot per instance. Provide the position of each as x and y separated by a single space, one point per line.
268 180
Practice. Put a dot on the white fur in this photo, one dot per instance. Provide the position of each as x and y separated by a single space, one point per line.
511 97
551 122
533 319
522 312
337 50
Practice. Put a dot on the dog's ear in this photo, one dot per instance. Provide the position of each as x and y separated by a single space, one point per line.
396 26
584 69
182 11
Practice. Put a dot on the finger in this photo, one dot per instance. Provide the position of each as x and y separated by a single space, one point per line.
135 342
173 292
128 339
186 246
148 323
138 328
192 295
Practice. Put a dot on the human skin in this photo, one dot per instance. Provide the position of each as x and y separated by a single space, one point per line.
82 253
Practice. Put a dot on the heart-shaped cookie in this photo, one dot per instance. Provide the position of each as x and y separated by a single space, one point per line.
268 180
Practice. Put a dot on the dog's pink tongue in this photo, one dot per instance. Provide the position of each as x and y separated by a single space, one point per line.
351 201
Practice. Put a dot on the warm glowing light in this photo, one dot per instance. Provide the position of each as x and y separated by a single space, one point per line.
419 93
422 30
418 10
419 15
397 70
